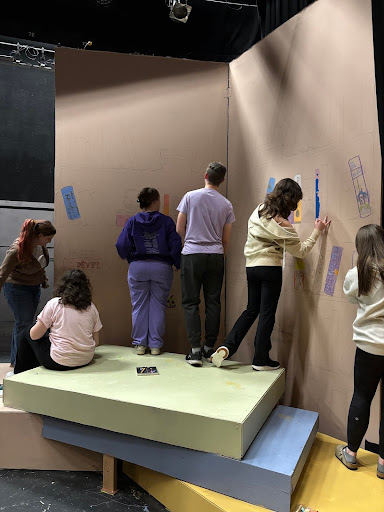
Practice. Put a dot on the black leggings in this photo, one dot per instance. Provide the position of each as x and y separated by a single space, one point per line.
369 371
34 353
264 287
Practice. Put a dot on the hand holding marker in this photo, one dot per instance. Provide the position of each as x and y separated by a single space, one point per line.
321 225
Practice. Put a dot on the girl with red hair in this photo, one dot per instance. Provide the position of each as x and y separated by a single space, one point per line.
22 274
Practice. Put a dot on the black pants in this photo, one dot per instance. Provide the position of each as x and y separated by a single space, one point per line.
34 353
207 271
264 287
369 370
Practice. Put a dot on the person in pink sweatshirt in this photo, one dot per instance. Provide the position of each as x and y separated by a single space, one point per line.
73 323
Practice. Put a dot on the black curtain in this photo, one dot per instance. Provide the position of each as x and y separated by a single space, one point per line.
274 13
378 43
214 31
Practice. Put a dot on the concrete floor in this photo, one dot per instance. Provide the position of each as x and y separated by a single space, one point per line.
62 491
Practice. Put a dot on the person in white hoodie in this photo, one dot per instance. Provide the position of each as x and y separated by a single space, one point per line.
364 286
270 235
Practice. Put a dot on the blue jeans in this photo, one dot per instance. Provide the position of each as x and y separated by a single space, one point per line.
23 300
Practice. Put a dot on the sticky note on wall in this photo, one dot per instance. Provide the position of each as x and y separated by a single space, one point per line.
271 185
121 220
297 214
70 203
166 204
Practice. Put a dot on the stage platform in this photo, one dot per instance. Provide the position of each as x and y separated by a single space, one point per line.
325 485
216 410
267 475
23 447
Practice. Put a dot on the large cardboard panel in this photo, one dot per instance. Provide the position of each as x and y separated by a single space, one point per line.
124 122
303 103
23 447
215 410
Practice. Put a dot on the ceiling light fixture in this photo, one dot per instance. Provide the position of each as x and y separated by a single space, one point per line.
180 11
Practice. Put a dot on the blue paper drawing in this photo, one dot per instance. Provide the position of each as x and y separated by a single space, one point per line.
333 270
70 203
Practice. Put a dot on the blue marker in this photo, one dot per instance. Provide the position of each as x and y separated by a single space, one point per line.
271 185
70 203
317 194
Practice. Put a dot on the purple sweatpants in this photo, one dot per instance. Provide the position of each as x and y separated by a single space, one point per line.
149 284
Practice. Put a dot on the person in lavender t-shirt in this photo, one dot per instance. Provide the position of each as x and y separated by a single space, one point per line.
205 220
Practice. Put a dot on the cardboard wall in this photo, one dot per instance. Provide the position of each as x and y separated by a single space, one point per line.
124 122
303 103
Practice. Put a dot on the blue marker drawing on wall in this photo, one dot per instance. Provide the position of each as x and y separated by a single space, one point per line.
361 191
271 185
70 203
317 196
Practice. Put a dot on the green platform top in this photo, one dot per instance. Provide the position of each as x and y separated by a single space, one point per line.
217 410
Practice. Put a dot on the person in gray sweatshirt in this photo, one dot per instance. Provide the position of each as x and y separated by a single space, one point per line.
364 286
270 236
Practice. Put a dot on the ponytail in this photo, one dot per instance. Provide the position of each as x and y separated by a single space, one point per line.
27 234
30 230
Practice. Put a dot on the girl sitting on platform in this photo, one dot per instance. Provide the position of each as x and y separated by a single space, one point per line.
74 324
364 286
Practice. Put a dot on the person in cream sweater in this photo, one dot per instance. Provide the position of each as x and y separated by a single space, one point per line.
270 236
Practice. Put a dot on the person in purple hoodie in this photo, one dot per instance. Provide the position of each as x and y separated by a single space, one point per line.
151 245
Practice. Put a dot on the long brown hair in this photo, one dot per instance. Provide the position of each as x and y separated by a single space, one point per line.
370 262
29 231
282 200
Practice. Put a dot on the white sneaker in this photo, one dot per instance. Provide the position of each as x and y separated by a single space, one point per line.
140 350
219 356
155 351
9 374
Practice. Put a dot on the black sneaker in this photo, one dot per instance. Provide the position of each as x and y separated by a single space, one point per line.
207 354
194 359
267 366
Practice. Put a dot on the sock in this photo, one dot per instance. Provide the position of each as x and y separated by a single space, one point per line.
195 350
348 457
206 348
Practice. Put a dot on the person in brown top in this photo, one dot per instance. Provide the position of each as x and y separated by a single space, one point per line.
22 274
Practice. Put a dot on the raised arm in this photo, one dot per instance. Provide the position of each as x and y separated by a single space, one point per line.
294 245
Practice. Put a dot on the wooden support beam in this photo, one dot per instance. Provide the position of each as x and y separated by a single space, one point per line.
109 475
